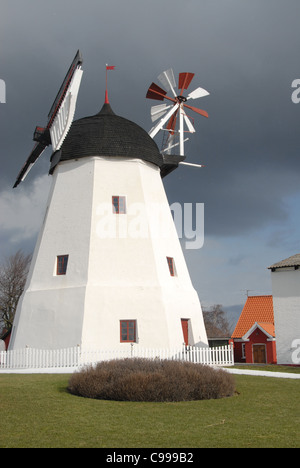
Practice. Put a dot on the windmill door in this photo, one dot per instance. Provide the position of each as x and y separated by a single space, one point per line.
185 329
259 354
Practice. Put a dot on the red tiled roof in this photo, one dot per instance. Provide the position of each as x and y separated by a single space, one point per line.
257 309
268 327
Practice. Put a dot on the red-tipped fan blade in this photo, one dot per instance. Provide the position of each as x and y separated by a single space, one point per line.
155 92
185 81
172 123
199 111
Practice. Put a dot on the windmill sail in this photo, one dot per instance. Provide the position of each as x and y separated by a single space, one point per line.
64 117
38 149
60 117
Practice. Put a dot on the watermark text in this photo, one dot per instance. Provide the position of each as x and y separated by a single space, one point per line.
296 353
2 92
296 93
153 220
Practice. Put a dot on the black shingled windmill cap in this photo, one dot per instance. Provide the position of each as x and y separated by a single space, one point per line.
109 135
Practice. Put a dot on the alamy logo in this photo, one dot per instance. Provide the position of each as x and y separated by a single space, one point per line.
296 93
296 353
153 221
2 92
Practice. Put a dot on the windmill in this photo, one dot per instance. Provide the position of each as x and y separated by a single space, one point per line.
60 117
104 168
174 115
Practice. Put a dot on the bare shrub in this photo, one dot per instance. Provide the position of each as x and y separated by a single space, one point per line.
13 274
151 380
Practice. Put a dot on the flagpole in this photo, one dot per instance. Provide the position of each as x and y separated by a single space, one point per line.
108 67
106 93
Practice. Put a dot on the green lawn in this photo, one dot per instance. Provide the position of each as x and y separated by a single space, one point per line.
37 411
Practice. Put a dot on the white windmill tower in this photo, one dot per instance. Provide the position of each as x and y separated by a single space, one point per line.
104 275
174 120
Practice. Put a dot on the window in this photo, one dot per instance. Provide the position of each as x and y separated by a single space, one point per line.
119 205
128 331
62 263
243 350
171 265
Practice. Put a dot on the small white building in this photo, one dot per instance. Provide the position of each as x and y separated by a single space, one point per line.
108 270
286 298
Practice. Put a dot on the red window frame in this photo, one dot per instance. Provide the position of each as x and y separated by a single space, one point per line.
61 264
127 331
119 204
171 265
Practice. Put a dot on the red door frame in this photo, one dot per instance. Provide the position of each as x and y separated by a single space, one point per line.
185 330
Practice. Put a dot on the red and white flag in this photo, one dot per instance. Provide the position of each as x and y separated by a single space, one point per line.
110 67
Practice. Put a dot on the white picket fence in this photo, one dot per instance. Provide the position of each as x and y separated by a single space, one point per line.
74 358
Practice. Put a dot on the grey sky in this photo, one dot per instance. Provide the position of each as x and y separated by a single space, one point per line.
245 53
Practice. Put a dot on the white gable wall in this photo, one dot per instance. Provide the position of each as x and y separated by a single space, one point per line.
286 299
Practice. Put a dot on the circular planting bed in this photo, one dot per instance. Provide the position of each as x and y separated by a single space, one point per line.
151 380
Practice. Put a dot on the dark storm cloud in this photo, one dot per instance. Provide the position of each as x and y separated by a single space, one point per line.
242 52
250 145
